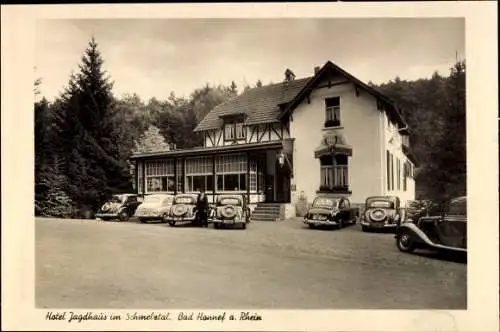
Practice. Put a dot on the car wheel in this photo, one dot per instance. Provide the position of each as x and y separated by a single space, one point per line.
171 223
244 225
141 220
216 225
405 242
341 224
164 218
123 216
364 228
311 226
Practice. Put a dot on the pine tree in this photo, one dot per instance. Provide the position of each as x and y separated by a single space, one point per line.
89 135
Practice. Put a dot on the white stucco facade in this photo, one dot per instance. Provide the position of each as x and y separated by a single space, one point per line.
364 128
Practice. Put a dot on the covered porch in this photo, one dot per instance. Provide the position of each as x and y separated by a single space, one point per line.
262 171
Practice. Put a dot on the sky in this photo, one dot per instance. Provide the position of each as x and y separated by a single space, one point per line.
153 58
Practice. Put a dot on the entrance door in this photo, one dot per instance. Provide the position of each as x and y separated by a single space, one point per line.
282 185
270 197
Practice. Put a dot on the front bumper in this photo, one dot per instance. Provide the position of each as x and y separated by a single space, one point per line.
181 219
106 215
228 221
381 224
316 222
147 215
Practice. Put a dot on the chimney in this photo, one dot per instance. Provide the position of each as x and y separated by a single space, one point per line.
316 70
289 75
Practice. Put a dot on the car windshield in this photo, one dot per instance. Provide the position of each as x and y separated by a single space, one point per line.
184 200
327 203
116 199
229 201
381 204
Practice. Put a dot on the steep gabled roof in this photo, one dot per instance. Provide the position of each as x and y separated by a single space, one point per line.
261 104
271 103
329 67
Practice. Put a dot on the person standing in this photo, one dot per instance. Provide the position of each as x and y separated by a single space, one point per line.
202 207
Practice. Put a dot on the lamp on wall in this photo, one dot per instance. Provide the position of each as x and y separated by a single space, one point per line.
281 158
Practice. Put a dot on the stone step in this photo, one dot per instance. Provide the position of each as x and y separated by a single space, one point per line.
268 209
264 219
269 204
259 216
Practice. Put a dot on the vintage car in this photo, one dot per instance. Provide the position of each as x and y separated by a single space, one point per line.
331 211
154 207
444 232
381 212
183 210
231 210
120 206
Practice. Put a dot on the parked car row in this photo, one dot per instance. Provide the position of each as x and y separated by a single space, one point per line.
228 210
422 225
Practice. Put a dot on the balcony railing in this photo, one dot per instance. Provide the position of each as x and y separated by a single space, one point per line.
334 178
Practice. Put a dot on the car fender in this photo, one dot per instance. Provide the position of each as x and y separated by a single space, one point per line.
419 236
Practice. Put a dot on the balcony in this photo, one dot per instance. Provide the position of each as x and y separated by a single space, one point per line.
334 179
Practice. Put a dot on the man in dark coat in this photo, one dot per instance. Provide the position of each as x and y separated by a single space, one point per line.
202 207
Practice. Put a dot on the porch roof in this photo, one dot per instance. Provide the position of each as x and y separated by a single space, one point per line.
199 151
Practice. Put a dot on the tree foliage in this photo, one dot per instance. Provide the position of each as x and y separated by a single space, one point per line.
151 141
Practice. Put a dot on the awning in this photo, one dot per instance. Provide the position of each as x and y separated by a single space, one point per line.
333 143
324 150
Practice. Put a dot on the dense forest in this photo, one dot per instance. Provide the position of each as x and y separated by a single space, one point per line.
84 137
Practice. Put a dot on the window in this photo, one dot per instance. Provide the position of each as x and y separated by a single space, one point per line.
160 176
199 174
334 172
231 172
140 178
392 171
405 176
388 166
234 131
332 107
253 175
240 131
398 173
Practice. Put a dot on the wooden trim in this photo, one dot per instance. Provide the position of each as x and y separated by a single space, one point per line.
210 137
251 134
263 133
320 86
275 131
220 136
